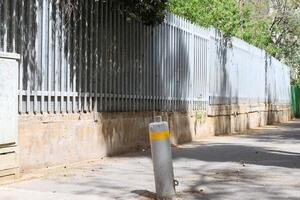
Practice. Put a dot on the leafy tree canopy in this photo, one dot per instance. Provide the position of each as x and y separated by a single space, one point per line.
273 25
150 12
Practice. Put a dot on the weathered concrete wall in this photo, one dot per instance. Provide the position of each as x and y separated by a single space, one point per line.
225 120
49 140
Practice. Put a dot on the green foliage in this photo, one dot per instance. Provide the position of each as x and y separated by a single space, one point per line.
200 115
296 83
273 25
224 15
150 12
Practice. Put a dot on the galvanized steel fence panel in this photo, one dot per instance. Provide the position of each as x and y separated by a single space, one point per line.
93 58
241 73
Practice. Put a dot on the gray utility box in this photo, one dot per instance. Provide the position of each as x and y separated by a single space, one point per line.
8 98
9 159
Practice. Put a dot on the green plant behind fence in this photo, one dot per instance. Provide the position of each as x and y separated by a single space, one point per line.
295 98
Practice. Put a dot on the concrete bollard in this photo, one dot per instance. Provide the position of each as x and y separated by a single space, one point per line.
162 159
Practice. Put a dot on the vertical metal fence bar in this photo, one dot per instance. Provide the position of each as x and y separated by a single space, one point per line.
101 55
163 80
148 67
80 55
2 22
29 46
154 53
186 66
21 65
91 55
168 60
126 62
97 63
110 56
86 60
141 68
75 59
63 63
176 60
130 66
157 68
152 68
207 67
134 66
197 74
190 65
5 25
160 67
173 56
44 50
155 47
182 64
56 55
183 61
205 82
123 62
200 73
166 80
37 49
105 50
69 49
14 25
117 61
181 69
179 74
174 63
50 55
187 53
163 61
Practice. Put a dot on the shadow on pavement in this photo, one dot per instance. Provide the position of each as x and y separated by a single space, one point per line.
218 152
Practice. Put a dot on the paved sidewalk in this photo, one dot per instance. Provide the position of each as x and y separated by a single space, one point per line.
263 165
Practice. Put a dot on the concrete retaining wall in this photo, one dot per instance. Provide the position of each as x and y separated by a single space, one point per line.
50 140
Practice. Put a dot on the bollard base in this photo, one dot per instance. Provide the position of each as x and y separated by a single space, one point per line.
168 198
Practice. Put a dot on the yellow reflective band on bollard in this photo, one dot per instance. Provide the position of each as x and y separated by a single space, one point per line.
160 135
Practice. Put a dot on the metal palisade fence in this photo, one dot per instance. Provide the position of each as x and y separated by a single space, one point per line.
88 56
241 73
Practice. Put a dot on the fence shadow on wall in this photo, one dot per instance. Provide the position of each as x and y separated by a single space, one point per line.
121 128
